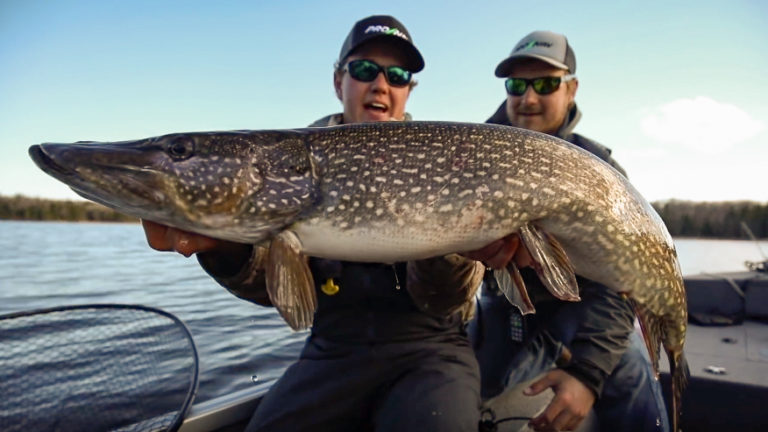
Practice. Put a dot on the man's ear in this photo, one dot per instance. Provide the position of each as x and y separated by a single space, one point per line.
573 85
337 84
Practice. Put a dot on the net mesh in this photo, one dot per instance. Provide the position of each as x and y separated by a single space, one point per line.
95 368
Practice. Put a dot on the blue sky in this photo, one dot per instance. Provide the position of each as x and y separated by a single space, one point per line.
678 90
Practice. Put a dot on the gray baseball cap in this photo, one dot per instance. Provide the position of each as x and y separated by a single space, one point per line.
387 28
546 46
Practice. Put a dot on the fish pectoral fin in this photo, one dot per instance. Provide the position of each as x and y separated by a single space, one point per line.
511 283
551 263
290 285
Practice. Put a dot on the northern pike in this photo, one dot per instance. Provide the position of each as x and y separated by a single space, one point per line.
398 191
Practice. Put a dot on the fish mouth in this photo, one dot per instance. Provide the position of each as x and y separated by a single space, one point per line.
48 164
67 163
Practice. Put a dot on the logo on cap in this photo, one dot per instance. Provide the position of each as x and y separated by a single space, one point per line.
531 44
386 30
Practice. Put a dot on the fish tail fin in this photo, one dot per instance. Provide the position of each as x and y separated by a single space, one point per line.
652 327
678 368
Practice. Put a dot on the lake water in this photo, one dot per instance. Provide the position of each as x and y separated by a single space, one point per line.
46 264
52 264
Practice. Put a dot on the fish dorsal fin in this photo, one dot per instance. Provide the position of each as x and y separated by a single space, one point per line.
551 263
511 283
290 285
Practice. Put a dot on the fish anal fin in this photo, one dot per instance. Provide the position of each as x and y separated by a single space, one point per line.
551 263
650 328
290 285
511 283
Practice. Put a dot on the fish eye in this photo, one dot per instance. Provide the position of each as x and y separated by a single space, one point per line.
181 148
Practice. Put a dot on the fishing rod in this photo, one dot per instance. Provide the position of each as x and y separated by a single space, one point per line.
755 266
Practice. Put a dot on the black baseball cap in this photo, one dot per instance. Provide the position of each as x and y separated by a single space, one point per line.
383 27
549 47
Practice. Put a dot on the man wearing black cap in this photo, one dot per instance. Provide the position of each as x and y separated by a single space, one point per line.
386 352
588 351
364 92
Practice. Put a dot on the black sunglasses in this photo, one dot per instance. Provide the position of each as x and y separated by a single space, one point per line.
542 85
367 71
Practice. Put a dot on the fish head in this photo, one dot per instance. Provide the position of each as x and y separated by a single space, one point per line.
240 186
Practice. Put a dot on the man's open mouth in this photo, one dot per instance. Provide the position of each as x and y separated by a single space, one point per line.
375 106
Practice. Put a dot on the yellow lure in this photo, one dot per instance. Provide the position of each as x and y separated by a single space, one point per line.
329 287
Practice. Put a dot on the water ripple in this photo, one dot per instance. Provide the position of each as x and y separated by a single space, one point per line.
45 264
52 264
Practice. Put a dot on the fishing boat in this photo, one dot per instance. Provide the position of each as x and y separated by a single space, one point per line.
726 347
727 350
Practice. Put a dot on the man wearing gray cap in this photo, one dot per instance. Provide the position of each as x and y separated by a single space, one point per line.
385 353
588 352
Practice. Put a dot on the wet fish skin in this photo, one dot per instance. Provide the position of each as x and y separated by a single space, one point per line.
385 192
215 183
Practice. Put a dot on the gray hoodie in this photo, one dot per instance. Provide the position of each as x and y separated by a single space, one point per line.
566 132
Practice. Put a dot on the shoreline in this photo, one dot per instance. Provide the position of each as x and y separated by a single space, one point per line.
137 221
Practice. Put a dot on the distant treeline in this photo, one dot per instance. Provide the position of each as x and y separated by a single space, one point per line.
19 207
683 218
714 219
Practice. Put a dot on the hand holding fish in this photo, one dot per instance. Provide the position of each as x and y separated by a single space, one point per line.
499 253
570 405
165 238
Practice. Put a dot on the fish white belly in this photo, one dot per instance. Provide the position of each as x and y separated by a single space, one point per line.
387 244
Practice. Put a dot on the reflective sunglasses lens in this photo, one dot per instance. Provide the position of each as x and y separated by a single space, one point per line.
546 85
398 76
363 70
515 86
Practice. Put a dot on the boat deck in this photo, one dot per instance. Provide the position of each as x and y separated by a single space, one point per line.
729 366
734 354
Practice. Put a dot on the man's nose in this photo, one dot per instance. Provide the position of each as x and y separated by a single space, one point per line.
529 96
380 84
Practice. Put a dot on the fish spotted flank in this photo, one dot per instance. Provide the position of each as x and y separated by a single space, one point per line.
385 192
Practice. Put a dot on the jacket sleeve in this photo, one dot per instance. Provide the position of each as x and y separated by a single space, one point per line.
602 336
243 276
444 285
